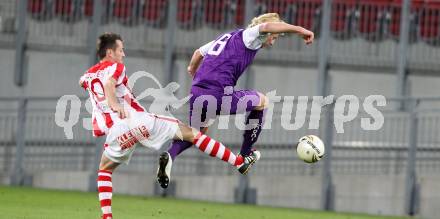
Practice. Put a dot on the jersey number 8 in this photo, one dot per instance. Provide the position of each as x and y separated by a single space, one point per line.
219 45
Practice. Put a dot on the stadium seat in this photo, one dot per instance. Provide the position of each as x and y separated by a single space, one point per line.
278 6
184 11
215 13
189 13
68 10
260 7
372 19
285 8
38 9
396 11
224 14
88 10
239 12
35 6
282 7
63 7
308 14
154 12
125 11
429 23
272 6
343 18
290 12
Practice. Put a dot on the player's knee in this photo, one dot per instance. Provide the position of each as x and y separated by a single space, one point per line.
204 130
107 164
186 133
264 101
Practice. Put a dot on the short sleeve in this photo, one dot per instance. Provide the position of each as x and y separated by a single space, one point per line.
251 37
119 73
205 48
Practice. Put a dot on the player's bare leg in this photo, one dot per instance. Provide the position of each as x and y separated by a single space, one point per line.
178 146
105 188
206 145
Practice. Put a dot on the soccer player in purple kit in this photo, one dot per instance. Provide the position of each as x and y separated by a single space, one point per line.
216 67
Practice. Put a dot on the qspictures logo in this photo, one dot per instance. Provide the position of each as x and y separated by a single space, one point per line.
345 108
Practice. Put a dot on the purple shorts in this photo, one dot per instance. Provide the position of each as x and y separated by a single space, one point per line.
206 104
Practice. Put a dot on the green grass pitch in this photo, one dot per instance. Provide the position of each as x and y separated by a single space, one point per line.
29 203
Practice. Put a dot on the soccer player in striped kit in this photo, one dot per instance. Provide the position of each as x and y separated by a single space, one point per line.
126 124
217 66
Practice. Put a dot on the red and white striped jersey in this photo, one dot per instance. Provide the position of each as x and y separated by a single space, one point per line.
93 81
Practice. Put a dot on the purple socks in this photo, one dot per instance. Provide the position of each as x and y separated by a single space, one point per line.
251 136
177 147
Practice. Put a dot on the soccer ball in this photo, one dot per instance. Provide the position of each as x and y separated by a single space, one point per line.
310 149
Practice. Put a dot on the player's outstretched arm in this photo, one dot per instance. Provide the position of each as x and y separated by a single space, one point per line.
196 59
280 27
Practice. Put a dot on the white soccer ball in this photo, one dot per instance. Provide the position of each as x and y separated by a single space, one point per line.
310 149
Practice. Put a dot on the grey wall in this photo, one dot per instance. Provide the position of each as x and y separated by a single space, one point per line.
424 86
54 74
286 81
7 87
362 84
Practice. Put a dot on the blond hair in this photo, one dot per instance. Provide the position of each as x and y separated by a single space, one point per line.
268 17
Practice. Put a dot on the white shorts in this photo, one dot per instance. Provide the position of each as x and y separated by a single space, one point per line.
142 128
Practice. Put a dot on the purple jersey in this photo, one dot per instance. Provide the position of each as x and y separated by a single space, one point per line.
224 63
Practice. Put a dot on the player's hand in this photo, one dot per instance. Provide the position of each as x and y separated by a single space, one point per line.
120 110
82 82
191 71
308 36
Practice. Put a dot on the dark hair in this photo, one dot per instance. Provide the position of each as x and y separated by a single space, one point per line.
106 41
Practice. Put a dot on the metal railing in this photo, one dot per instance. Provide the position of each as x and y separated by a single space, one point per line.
7 21
381 151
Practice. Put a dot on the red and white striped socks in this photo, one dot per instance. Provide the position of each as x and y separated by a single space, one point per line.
216 149
105 191
202 142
